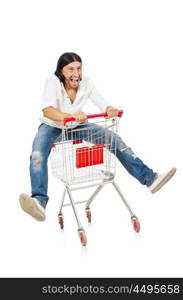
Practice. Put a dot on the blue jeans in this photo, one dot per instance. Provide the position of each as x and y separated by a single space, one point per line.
46 136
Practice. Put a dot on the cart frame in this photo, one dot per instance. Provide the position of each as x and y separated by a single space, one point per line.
87 160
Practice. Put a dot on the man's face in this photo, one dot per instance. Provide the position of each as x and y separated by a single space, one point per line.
73 74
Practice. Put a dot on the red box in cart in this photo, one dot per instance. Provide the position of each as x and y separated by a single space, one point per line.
89 156
97 154
82 157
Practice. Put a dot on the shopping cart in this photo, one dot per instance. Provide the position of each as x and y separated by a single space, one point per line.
84 157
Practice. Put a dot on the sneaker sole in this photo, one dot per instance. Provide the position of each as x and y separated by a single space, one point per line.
165 180
29 206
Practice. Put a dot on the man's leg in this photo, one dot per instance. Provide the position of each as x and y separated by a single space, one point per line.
98 135
38 161
134 165
139 170
36 203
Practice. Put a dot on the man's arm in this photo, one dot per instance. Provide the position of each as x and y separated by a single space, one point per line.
54 114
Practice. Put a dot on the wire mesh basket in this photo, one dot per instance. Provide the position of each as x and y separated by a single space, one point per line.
85 153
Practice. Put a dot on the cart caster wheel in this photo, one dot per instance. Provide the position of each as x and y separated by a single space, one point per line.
136 224
83 239
88 215
61 221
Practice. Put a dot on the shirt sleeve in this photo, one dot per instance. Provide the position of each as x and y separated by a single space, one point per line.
97 98
49 97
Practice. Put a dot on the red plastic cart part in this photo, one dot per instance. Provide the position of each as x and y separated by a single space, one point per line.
136 224
82 157
77 141
89 156
83 238
66 120
74 142
61 221
88 215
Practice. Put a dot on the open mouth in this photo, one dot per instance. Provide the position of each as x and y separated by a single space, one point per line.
74 80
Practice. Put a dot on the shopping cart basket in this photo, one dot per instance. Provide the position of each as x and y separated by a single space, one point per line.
83 157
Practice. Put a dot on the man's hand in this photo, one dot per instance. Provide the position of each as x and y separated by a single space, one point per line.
80 116
112 112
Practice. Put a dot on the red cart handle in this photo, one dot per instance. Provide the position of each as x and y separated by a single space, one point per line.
66 120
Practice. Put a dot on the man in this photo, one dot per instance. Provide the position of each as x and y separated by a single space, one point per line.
65 94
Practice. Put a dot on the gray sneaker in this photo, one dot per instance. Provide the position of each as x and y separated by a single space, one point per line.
32 207
160 180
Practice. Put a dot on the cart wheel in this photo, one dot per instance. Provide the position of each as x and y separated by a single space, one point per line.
83 239
61 221
136 224
88 215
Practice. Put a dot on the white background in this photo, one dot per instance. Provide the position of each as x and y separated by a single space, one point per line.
133 52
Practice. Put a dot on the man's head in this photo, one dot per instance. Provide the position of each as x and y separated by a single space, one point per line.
69 69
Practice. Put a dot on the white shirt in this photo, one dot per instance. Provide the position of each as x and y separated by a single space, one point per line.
54 94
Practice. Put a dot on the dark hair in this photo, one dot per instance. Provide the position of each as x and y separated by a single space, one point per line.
64 60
